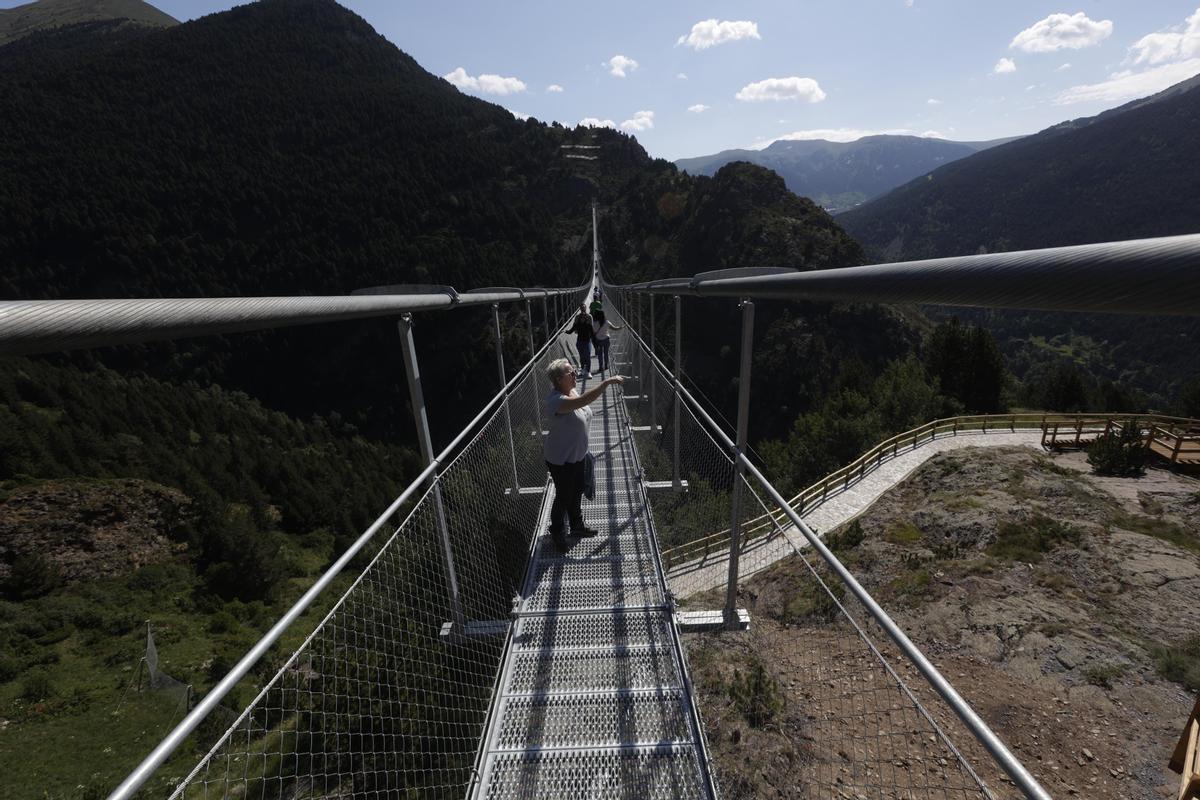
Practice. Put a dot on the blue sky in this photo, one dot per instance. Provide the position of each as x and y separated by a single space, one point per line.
961 69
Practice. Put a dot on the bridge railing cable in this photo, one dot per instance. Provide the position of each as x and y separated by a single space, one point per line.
1143 276
880 718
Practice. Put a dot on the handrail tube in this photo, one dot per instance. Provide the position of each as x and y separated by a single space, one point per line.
39 326
978 728
134 781
1141 276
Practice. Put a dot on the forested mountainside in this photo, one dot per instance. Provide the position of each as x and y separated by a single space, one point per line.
841 175
23 20
1128 173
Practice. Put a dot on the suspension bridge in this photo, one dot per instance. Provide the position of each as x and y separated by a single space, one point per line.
472 659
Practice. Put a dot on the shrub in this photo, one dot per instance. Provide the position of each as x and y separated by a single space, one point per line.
1028 541
32 576
1119 452
1180 663
10 668
904 533
37 687
1102 675
756 695
848 539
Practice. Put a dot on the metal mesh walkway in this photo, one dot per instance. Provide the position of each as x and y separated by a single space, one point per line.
592 699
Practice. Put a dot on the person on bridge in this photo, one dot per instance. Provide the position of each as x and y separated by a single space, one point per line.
566 447
600 329
583 341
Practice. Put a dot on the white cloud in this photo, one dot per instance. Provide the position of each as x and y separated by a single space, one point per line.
682 76
908 3
1004 65
1167 57
699 108
621 66
1062 32
554 87
933 101
792 88
1167 46
709 32
1064 67
642 121
518 114
486 83
842 135
592 122
1128 85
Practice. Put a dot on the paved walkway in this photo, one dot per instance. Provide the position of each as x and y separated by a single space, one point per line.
841 506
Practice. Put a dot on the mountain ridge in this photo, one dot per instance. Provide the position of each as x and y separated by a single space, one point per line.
20 21
838 175
1078 182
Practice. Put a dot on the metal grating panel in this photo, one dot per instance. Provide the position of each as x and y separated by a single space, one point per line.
616 775
636 592
630 546
611 571
597 720
593 670
593 630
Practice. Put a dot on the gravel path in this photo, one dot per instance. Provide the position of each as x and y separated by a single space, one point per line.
841 506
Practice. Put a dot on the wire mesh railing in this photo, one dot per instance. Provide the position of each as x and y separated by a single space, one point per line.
824 676
387 696
388 693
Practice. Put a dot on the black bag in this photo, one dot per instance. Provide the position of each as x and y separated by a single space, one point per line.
589 476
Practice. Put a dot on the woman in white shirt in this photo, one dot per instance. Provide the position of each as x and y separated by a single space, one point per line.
600 329
566 447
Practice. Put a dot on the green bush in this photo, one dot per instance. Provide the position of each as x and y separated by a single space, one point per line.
1028 541
10 668
847 539
1180 663
756 695
1119 452
37 687
1102 675
32 576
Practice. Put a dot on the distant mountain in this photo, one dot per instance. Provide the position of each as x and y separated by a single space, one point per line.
21 21
1127 173
840 175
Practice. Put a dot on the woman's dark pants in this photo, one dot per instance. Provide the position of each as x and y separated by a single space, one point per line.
584 348
602 353
568 497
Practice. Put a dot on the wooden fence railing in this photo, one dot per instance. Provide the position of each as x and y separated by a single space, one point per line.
1179 436
1177 439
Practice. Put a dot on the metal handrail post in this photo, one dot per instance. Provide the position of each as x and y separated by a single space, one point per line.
735 524
417 398
637 352
546 317
532 355
512 448
675 482
653 382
